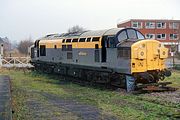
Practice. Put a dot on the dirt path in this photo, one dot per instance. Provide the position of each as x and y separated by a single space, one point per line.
5 98
51 107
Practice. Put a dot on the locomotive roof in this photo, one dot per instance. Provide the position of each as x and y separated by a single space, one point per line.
112 31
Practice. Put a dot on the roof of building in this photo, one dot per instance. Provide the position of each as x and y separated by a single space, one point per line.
170 20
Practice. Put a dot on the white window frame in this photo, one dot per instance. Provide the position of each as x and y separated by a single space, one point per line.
151 25
161 23
162 38
138 24
173 37
173 25
149 34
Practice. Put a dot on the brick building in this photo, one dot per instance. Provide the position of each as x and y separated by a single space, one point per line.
166 31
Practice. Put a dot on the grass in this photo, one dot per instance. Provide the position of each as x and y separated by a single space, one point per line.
124 106
175 79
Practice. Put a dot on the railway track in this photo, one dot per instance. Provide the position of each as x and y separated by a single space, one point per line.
156 87
140 88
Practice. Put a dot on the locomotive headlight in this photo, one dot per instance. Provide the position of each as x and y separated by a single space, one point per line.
142 53
164 53
143 45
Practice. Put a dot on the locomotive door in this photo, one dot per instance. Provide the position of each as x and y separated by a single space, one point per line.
36 49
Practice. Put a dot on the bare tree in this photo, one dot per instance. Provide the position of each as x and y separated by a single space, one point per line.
76 28
23 46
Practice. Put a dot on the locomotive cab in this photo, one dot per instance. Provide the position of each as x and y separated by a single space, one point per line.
117 49
141 59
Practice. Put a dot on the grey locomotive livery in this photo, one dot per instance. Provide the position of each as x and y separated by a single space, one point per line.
101 56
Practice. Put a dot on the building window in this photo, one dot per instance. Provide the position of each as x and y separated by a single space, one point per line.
137 24
161 25
161 36
173 36
173 25
150 25
150 36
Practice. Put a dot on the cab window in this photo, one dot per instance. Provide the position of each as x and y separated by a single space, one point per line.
122 36
140 36
131 34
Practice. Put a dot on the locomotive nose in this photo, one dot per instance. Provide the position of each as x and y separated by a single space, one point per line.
148 55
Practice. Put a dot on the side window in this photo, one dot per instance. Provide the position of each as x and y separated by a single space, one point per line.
82 39
68 40
75 40
42 50
69 48
63 41
95 39
88 40
111 41
63 47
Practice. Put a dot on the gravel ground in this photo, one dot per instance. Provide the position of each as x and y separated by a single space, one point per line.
170 97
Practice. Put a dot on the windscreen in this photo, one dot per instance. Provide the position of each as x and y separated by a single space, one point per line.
131 34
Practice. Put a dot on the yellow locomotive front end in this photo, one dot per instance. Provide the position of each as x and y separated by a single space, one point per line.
148 61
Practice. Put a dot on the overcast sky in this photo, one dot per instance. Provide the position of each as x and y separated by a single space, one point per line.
20 19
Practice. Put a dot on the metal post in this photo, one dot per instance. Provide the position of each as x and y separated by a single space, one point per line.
0 60
2 50
173 61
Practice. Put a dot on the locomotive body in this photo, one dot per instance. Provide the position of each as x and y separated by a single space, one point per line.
115 56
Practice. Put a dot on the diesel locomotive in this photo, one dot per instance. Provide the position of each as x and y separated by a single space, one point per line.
118 56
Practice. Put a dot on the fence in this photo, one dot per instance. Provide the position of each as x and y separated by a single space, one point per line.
173 63
19 62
